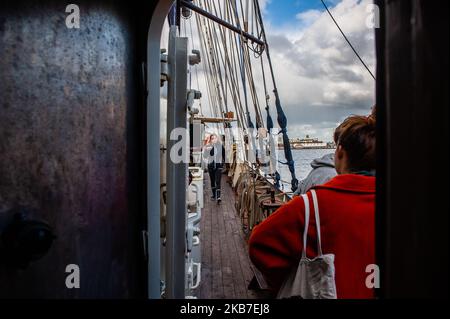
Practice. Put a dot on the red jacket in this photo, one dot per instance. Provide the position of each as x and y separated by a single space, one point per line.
347 218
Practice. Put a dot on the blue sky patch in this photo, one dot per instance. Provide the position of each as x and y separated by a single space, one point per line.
283 12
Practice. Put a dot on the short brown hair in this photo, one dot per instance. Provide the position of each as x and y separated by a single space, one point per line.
357 136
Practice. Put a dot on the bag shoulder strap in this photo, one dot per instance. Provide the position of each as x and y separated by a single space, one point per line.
305 231
316 213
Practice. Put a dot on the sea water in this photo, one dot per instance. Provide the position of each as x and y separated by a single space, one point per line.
302 159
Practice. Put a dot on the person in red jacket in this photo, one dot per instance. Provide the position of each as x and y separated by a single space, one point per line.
347 218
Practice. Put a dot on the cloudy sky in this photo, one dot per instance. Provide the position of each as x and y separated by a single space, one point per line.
319 78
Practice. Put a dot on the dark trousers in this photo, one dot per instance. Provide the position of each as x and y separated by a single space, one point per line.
215 174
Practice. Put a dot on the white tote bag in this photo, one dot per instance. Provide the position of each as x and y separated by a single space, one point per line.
313 278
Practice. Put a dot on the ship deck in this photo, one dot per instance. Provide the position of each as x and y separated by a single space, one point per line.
226 266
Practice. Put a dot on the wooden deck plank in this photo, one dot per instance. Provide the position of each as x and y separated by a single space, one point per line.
227 275
240 281
242 249
226 270
205 240
217 281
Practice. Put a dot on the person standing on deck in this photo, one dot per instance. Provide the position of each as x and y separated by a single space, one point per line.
347 218
215 153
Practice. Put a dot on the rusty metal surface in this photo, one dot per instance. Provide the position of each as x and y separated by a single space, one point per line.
69 144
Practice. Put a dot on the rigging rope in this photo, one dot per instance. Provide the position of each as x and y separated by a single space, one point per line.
281 117
348 41
226 57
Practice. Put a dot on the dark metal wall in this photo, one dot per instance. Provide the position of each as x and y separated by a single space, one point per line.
413 163
71 136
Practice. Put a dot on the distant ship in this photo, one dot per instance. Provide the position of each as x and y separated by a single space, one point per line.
309 143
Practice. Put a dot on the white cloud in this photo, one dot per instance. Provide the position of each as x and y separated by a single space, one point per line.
308 17
263 5
320 79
